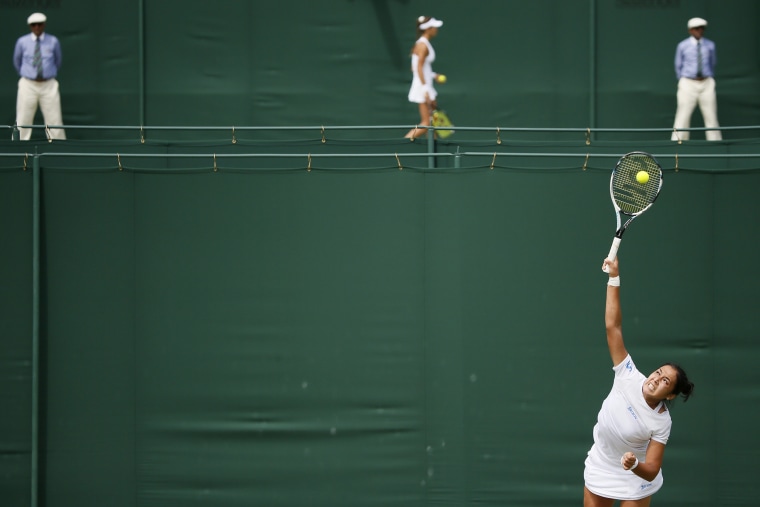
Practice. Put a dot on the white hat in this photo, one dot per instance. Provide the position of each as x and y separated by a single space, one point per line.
37 17
695 22
431 23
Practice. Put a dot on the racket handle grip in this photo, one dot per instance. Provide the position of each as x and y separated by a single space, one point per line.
613 252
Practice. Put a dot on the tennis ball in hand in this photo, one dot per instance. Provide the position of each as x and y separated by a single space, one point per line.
642 177
441 78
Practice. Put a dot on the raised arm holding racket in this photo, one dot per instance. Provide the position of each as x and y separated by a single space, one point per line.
633 424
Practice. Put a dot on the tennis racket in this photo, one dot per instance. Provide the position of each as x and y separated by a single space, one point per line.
632 192
441 119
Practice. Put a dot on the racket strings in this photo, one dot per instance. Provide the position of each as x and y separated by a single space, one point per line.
631 196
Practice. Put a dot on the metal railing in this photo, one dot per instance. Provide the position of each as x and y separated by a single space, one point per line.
396 157
588 132
432 153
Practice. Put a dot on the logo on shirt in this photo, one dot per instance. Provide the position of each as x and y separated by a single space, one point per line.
630 409
628 366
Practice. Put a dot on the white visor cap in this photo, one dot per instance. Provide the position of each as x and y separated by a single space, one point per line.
431 23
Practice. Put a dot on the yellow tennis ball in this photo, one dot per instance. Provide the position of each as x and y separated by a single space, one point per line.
441 78
642 177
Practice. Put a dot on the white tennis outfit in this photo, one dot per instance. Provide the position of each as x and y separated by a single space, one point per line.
625 423
417 90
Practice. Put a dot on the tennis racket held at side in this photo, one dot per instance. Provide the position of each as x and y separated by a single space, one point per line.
635 184
441 119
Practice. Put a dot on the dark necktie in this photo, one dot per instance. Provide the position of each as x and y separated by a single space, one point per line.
699 58
37 60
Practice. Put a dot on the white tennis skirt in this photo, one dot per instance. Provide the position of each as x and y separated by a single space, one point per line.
615 482
417 92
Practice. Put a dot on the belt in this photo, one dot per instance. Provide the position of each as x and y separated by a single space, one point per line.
698 78
39 79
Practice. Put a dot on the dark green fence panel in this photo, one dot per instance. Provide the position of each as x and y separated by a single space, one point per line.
262 335
266 334
15 331
543 63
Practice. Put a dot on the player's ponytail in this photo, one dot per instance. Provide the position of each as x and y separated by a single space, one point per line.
683 387
421 20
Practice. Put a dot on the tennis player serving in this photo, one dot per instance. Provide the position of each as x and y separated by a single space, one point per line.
634 423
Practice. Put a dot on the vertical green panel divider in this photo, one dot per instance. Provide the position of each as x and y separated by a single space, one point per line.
141 59
592 68
431 146
35 324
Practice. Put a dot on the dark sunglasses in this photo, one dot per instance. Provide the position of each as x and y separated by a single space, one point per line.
36 24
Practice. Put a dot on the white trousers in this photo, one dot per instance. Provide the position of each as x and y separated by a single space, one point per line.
690 93
46 95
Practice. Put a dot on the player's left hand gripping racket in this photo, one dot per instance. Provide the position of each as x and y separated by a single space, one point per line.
630 197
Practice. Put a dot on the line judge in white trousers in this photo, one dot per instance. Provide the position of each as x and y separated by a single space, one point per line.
695 66
37 58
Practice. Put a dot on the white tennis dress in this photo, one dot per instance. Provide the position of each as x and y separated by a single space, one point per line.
625 423
417 90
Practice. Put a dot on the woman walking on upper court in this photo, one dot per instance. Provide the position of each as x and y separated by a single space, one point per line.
634 422
422 92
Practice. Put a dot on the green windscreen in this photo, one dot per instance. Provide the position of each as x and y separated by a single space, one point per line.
246 288
264 335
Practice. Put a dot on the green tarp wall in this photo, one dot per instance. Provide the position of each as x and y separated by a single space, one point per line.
263 334
510 63
358 334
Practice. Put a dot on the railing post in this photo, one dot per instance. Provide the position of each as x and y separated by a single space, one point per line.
35 346
431 145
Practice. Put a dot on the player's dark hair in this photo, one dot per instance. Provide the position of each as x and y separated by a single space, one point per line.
421 20
683 386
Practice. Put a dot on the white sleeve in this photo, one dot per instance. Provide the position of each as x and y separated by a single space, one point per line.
626 369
